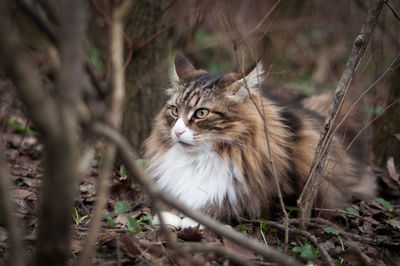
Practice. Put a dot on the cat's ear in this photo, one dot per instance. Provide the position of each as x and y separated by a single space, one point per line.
183 70
249 80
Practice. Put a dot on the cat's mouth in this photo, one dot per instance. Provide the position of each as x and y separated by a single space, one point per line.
184 144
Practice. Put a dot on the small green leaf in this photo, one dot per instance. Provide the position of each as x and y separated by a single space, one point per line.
122 170
133 225
293 243
146 218
242 228
352 210
20 128
95 59
385 204
292 208
109 220
121 207
274 230
306 251
331 230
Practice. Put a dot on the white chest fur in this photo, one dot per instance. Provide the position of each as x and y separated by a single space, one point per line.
196 177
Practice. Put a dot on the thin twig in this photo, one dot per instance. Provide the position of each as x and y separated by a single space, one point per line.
389 68
114 118
322 223
271 160
396 15
308 194
370 122
127 155
261 22
155 35
348 213
44 26
157 18
107 22
295 231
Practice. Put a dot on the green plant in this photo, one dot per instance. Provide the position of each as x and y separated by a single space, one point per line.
242 229
386 204
20 128
122 207
291 209
305 251
109 220
335 232
134 225
274 230
95 59
352 210
122 170
262 231
77 218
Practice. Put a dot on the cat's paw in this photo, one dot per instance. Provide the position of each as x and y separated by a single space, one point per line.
169 219
188 222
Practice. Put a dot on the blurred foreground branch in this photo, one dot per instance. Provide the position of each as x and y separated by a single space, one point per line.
114 118
56 119
7 207
308 195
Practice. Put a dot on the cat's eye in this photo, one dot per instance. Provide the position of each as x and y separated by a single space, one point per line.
174 111
201 113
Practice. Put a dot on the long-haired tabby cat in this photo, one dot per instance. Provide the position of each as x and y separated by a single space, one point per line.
208 148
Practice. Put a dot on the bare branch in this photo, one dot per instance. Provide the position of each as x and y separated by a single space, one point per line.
50 33
114 118
155 35
261 22
307 197
126 152
395 14
56 120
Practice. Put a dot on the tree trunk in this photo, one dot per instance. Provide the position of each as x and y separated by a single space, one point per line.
145 73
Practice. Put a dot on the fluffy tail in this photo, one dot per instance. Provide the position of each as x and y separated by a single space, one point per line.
352 124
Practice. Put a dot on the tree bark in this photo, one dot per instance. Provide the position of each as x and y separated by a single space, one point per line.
146 72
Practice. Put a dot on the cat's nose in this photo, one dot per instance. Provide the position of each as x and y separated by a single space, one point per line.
178 133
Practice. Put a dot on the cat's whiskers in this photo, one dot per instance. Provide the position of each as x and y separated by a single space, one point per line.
211 147
166 140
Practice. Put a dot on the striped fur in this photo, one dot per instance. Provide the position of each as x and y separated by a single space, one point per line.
225 170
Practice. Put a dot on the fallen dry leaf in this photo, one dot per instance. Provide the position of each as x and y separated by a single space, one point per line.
191 234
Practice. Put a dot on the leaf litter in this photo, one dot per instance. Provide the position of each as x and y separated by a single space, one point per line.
349 240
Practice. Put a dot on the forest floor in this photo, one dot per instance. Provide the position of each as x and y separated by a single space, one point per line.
366 233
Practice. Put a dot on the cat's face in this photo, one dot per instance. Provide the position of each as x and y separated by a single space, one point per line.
203 108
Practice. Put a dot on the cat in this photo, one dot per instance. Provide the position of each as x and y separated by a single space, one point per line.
208 148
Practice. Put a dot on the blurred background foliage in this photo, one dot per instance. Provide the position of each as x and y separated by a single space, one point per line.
303 45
